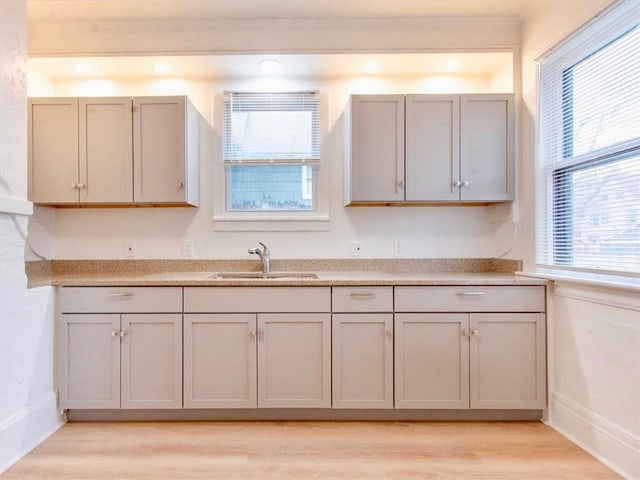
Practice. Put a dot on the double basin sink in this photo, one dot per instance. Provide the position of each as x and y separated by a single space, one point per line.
261 275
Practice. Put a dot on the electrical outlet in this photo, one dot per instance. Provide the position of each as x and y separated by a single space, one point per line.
355 248
187 248
130 248
397 248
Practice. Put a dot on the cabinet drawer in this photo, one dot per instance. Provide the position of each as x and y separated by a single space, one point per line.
362 299
120 299
257 299
470 299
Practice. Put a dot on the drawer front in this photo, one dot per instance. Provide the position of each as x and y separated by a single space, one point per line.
257 299
120 299
362 299
470 299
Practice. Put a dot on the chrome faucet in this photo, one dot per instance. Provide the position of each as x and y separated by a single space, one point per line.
264 255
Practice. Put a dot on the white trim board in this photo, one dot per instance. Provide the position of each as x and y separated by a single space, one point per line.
15 206
27 428
612 445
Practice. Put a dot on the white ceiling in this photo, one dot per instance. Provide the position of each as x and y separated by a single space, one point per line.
106 10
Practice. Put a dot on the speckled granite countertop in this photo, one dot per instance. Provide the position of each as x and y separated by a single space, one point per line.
330 272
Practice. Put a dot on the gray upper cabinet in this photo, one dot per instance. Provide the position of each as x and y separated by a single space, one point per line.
165 150
53 150
113 151
375 169
454 148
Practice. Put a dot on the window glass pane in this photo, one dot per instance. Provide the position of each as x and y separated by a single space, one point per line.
267 135
602 97
596 212
269 187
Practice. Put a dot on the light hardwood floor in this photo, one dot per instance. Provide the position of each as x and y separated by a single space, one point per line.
308 450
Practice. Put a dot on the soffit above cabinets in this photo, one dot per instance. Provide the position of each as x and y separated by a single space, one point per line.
329 65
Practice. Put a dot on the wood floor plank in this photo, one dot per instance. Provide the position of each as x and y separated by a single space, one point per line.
308 450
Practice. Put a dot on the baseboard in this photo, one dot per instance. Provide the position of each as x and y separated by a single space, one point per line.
27 428
612 445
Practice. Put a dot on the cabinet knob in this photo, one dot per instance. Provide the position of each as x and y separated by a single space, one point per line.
465 183
252 334
123 334
180 185
115 333
73 185
389 333
475 333
401 183
457 183
81 186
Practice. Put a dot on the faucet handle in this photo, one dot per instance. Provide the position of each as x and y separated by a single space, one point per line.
265 249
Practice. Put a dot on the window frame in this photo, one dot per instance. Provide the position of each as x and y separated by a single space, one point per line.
554 222
270 220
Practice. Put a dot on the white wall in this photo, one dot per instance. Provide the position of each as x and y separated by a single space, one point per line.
593 332
424 231
27 398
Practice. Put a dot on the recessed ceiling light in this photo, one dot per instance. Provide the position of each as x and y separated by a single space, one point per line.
372 67
270 66
83 68
452 66
160 68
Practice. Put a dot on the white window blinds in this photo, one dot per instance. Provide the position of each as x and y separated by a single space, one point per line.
588 194
271 127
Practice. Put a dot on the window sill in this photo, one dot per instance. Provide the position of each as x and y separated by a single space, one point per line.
592 279
271 224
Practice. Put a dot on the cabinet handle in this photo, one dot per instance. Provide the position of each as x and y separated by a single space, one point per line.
119 296
470 294
180 185
362 295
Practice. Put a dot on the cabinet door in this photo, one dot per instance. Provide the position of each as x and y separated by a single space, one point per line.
220 361
486 147
159 155
89 361
53 150
363 360
431 360
432 147
294 360
152 361
106 158
377 149
507 367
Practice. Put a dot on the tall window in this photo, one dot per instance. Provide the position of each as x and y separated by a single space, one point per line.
271 151
589 150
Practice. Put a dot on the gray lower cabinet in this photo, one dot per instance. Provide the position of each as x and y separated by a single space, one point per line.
484 357
111 356
120 360
362 333
273 351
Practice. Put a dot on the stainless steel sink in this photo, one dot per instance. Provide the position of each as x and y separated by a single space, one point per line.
260 275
